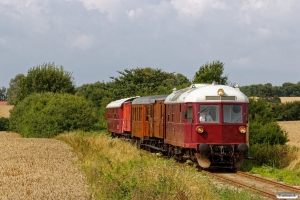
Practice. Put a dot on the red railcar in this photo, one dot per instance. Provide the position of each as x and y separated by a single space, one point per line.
223 140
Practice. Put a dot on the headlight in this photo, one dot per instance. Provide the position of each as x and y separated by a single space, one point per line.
242 129
221 92
200 129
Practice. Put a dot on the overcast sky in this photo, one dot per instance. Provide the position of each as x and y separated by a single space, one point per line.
258 41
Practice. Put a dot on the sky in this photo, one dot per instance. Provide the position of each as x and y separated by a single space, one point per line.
257 40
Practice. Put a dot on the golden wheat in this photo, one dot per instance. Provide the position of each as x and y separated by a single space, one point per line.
39 169
289 99
4 111
292 128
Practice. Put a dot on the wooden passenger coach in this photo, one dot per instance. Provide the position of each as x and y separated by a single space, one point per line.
148 117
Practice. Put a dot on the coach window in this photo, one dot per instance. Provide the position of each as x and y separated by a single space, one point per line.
209 114
168 113
232 113
172 113
190 113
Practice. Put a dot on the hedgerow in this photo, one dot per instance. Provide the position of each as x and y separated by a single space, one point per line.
4 123
48 114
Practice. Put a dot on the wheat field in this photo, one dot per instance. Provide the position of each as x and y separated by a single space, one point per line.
4 111
35 168
289 99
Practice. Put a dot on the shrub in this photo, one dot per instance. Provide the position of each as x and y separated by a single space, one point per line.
278 156
269 133
48 114
4 124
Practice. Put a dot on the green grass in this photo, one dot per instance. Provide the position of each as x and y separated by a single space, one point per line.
274 162
118 170
285 175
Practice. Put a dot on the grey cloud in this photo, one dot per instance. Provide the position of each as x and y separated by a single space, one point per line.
95 39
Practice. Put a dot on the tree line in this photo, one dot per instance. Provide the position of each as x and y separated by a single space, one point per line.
47 102
267 90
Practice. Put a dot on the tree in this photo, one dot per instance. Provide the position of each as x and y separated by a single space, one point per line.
290 89
13 90
46 78
266 91
145 81
3 94
211 72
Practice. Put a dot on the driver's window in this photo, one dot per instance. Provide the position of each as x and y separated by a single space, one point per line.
209 114
232 113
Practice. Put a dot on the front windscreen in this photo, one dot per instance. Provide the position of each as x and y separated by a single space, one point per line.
232 113
209 114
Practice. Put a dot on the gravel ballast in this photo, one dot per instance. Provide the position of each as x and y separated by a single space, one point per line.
33 168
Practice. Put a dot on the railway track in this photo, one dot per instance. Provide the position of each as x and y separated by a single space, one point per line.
259 185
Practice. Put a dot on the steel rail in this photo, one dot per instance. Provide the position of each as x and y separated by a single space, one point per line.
281 185
262 192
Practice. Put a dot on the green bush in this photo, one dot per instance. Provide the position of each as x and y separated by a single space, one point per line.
49 114
263 126
269 133
278 156
4 124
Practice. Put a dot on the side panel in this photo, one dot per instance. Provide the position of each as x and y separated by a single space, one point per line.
174 128
136 123
158 119
114 120
127 117
145 122
140 127
120 118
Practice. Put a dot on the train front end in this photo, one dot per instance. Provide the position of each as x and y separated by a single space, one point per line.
215 125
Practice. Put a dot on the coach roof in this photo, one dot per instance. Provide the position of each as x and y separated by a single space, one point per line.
149 99
206 93
118 103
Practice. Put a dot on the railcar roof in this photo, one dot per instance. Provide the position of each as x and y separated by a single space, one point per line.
118 103
149 99
206 93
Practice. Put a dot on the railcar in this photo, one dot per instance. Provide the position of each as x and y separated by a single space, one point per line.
205 123
220 142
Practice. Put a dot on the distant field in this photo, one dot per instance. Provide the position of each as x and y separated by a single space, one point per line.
4 111
283 99
292 128
289 99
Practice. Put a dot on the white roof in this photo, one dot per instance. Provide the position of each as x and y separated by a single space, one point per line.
118 103
206 93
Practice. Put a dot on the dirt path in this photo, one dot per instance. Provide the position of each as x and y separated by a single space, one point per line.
32 168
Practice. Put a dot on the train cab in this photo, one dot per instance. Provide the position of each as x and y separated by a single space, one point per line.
213 123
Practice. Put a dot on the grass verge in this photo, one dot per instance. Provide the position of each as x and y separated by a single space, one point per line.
118 170
280 162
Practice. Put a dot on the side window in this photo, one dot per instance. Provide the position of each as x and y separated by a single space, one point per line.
190 113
